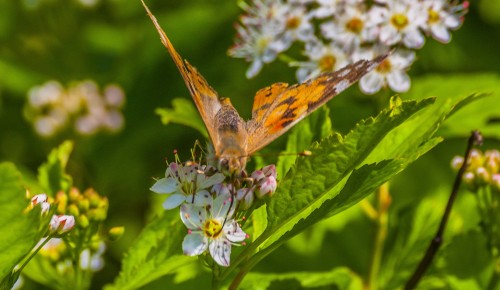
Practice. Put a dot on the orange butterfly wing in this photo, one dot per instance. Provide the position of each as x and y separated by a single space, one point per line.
278 107
204 96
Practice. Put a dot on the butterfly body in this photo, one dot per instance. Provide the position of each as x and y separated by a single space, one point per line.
231 141
275 110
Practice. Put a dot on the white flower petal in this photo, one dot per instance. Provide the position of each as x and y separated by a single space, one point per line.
221 251
414 39
202 198
371 83
399 81
389 35
194 244
254 69
193 216
203 181
440 33
174 201
234 233
223 207
452 21
165 185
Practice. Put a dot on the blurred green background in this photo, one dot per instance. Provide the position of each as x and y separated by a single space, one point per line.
113 41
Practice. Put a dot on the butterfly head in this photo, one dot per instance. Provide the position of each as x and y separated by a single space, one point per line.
232 162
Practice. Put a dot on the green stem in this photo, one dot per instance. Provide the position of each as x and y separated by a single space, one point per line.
26 261
495 278
380 236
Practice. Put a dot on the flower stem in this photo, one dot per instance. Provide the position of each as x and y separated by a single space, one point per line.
26 261
384 200
495 277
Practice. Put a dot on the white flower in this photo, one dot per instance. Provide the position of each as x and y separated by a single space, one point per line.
298 25
400 22
328 8
258 46
392 71
322 58
42 200
351 27
92 259
440 19
186 183
61 224
211 228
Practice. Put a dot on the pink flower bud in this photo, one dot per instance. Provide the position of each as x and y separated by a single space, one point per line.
61 224
266 186
39 198
246 197
257 175
270 170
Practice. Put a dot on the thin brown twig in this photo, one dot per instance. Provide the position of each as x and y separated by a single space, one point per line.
475 138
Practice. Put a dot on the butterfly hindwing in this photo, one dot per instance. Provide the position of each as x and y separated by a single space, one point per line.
204 96
291 104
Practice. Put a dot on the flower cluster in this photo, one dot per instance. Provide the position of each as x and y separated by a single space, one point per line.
211 205
483 169
73 229
482 177
335 33
51 108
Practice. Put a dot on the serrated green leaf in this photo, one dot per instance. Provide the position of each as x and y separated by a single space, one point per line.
51 175
315 127
183 112
307 194
156 252
19 229
332 161
341 278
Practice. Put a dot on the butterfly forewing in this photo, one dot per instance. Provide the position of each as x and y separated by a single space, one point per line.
289 105
204 96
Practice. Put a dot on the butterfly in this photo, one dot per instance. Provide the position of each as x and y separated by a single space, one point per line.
275 110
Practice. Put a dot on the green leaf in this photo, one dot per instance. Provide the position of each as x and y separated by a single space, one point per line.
308 184
466 256
184 113
337 176
156 252
341 278
19 229
315 127
412 234
51 175
479 115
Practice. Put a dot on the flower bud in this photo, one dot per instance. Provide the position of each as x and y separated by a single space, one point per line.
257 175
83 204
482 175
476 158
61 224
74 194
457 162
495 182
39 198
270 170
245 197
83 221
266 186
469 179
73 210
115 233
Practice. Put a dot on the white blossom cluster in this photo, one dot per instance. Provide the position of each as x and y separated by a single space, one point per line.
52 108
335 33
210 205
